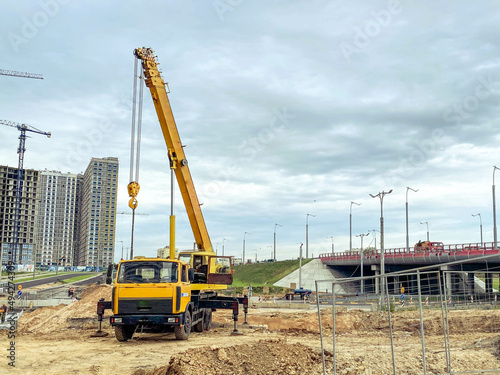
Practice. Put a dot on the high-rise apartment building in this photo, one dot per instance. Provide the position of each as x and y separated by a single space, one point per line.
98 212
56 218
26 232
64 218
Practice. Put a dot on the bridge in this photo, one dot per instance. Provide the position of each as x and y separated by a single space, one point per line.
413 257
460 263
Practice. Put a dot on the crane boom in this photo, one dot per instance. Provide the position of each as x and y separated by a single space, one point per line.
15 73
24 127
179 162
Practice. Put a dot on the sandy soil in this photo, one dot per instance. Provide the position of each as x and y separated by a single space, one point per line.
56 340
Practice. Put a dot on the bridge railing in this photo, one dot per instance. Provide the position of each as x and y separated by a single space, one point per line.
475 247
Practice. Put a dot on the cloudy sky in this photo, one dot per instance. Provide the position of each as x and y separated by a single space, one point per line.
286 108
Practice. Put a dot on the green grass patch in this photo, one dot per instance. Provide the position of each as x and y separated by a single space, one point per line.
264 274
76 278
29 278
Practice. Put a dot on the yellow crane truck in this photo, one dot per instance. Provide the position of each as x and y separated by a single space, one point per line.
158 295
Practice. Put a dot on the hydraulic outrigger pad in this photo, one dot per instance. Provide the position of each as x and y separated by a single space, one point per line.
101 306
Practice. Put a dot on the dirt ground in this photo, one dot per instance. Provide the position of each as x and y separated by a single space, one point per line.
56 340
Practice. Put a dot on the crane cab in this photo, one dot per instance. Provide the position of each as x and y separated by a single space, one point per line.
213 271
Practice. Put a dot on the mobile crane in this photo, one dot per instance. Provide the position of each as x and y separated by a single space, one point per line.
163 294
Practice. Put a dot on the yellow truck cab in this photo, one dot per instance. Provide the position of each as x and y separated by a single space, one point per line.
153 292
159 295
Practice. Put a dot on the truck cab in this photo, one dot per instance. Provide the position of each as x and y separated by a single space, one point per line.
151 292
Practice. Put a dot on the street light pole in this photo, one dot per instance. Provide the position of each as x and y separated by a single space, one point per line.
122 247
223 246
333 249
350 224
407 235
427 223
381 196
307 234
243 259
362 256
275 239
300 266
494 210
480 226
375 238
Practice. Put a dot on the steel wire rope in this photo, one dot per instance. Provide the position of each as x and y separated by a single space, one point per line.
135 140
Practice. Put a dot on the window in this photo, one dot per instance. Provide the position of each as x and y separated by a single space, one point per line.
148 272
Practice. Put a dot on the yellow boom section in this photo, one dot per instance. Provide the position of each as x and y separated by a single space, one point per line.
180 165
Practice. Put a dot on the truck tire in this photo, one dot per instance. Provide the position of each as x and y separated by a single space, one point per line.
198 327
124 333
207 320
182 332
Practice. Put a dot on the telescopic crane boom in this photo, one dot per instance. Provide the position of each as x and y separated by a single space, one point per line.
176 154
23 128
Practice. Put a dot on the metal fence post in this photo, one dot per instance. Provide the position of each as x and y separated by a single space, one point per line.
320 329
390 322
444 314
421 322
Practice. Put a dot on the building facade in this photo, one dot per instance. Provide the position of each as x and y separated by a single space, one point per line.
97 218
56 218
64 218
26 232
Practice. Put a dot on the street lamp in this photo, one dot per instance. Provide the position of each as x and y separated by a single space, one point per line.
381 196
223 246
300 265
427 223
307 234
332 244
244 246
480 227
407 236
217 247
350 224
494 210
279 225
122 247
375 238
362 255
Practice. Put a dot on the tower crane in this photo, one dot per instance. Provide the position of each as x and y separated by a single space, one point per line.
23 128
15 73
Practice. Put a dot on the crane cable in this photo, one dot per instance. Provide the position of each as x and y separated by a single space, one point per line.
135 150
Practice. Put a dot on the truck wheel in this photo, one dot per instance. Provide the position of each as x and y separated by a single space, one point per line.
124 333
198 327
207 320
182 332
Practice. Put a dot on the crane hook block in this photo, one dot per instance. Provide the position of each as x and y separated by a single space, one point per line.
133 191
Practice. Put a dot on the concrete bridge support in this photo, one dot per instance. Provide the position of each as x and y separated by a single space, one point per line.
488 283
447 279
470 283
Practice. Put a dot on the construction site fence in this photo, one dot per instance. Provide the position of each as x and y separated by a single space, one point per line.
438 296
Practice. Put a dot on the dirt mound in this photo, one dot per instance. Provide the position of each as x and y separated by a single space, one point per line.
264 357
58 318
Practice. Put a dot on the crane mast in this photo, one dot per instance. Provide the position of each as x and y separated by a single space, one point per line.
177 157
23 128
